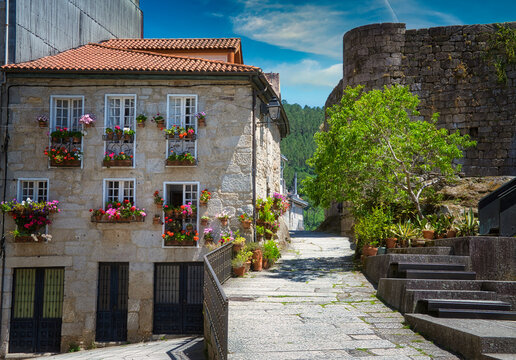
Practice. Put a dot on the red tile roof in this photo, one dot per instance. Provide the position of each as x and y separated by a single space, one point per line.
174 44
100 58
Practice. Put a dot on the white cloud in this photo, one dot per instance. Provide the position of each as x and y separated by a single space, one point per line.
307 72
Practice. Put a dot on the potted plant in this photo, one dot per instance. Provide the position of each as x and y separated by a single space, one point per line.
260 232
171 133
42 121
59 135
128 134
257 256
201 118
238 244
158 200
205 197
159 120
404 231
190 132
189 227
76 135
98 214
88 120
156 220
271 253
208 236
140 120
426 226
223 218
238 263
109 134
268 234
119 133
226 236
245 220
205 220
467 224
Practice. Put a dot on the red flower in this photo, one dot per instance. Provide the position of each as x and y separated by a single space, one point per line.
91 210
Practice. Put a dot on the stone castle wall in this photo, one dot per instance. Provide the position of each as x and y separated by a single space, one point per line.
224 167
447 69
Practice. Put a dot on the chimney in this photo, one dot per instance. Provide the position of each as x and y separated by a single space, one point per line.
295 183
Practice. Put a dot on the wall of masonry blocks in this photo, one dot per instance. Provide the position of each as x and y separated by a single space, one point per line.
224 167
447 69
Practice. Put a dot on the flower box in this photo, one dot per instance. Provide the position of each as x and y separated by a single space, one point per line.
66 163
105 219
28 239
177 137
180 243
118 163
180 163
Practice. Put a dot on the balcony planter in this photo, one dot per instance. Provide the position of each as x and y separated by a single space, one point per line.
66 163
177 137
105 219
180 163
179 243
28 239
118 163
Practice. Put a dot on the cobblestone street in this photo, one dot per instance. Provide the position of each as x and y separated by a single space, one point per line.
314 306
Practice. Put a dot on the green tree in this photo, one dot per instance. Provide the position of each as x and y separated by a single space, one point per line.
379 151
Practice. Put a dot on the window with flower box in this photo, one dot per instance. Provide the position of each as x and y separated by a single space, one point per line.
31 210
180 214
181 131
119 203
65 148
120 118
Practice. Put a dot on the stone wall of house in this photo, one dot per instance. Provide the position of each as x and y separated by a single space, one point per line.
446 67
224 168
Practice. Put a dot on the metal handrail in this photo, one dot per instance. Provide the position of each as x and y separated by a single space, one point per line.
217 269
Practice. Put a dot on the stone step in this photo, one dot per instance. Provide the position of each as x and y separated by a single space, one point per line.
377 267
436 274
410 302
429 250
475 314
399 266
469 337
434 304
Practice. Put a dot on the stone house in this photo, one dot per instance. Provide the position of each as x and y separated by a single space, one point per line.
101 280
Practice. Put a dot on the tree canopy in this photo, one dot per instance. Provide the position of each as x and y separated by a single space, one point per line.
379 150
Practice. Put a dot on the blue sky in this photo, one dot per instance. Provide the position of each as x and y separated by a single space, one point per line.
302 40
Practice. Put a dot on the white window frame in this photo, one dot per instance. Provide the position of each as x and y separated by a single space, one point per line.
196 205
183 117
108 124
104 189
19 192
53 99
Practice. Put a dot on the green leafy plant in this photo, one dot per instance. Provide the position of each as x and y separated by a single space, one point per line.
241 258
372 227
271 251
404 231
501 51
141 118
467 224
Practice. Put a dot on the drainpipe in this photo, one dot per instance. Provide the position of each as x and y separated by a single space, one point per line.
253 163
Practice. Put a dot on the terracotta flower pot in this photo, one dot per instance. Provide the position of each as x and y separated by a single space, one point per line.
239 272
156 221
42 124
368 250
451 233
110 136
189 227
391 242
257 260
141 124
224 222
266 263
428 234
98 217
247 265
204 222
203 203
77 140
160 123
201 122
246 224
237 247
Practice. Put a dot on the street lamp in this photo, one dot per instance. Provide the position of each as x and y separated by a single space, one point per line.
274 107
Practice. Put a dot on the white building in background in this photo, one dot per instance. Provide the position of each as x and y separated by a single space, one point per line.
295 214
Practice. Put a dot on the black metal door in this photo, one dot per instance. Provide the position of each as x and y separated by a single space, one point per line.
112 302
178 298
37 310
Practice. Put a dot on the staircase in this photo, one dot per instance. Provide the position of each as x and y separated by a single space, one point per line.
442 299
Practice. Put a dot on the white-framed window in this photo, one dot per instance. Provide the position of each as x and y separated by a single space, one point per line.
65 111
181 110
34 189
120 111
177 194
118 190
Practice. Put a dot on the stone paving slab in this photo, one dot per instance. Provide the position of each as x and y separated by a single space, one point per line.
312 305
